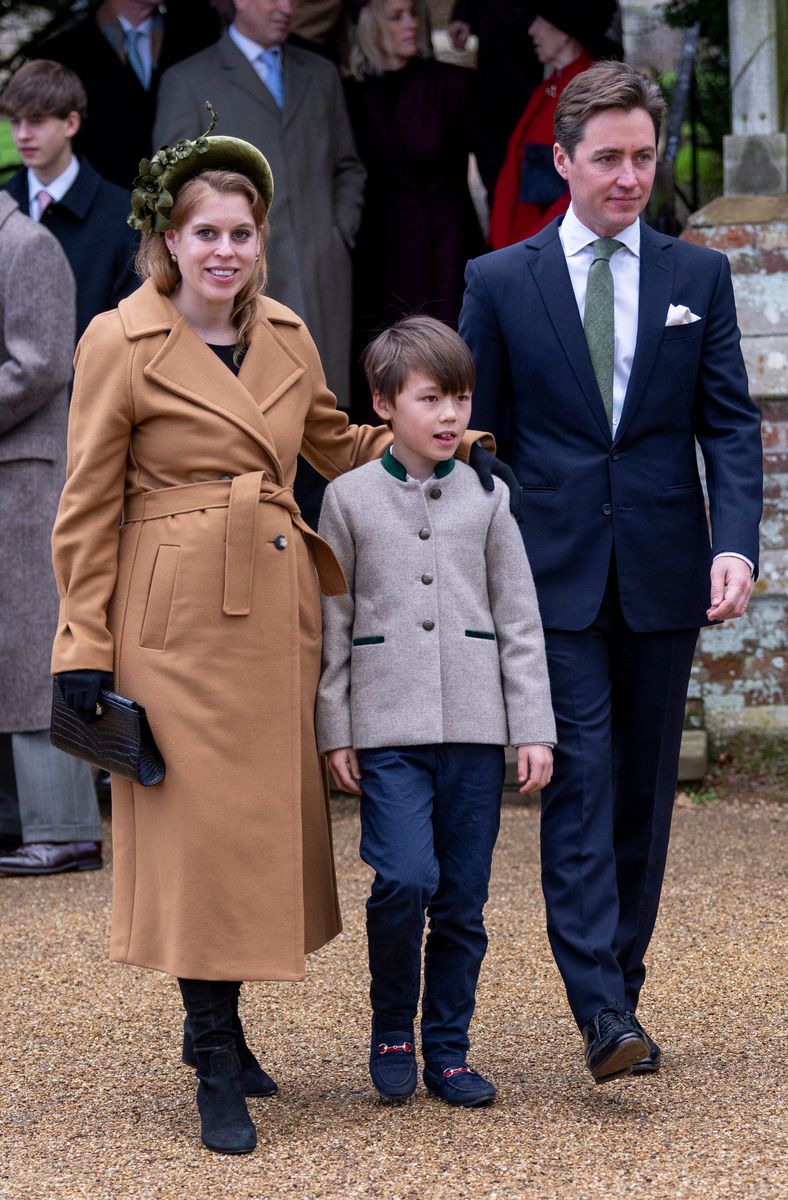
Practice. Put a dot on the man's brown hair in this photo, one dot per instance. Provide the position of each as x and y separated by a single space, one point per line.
43 89
604 86
418 344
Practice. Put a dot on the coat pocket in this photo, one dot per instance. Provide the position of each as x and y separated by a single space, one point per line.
368 641
480 633
160 592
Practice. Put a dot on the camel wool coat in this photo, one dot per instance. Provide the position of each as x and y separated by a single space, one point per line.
184 567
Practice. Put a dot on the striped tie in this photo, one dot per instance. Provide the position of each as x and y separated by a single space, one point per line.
599 319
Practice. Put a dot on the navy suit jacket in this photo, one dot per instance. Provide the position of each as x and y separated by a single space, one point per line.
584 494
90 224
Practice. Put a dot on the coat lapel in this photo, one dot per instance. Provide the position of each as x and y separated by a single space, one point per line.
242 75
551 276
656 288
187 367
297 84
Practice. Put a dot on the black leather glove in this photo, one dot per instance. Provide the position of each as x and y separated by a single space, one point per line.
81 690
486 465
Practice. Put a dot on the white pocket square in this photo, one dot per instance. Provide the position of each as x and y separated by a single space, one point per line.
679 314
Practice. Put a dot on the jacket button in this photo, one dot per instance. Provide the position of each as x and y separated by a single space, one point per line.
424 534
615 456
428 625
280 541
426 579
436 493
607 509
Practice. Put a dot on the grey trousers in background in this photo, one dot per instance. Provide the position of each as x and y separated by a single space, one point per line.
45 795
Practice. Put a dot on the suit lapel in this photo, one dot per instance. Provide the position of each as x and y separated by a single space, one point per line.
656 288
242 75
555 287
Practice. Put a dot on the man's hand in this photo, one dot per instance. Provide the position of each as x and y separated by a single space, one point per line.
731 588
534 767
459 32
486 465
344 768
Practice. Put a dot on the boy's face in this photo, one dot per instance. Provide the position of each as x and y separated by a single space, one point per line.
44 143
427 424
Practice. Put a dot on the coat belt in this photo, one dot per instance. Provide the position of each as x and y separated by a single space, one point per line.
240 496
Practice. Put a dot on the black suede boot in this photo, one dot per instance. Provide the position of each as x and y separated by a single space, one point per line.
226 1125
256 1081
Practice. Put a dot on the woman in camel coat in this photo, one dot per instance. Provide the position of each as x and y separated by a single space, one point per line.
189 580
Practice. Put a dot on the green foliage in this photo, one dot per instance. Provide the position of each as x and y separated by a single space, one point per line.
712 72
9 157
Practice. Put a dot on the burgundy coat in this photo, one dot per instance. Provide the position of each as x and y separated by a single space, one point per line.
413 133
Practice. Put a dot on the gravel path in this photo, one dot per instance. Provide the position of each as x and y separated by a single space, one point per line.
94 1102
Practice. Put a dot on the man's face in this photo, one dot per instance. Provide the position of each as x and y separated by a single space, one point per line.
136 11
611 176
266 22
44 143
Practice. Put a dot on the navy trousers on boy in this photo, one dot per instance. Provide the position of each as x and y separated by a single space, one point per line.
429 821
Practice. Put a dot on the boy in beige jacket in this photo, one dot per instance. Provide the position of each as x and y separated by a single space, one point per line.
431 665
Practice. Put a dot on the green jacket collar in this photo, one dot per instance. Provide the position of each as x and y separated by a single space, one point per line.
395 467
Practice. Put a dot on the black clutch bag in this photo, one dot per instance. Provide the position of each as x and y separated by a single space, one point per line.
119 741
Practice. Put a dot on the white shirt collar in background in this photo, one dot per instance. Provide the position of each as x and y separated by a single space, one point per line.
57 188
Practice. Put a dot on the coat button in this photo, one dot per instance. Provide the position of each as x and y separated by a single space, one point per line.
280 541
615 456
428 625
436 493
426 579
607 509
424 534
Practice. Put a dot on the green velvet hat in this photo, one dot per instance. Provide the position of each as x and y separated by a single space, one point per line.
161 177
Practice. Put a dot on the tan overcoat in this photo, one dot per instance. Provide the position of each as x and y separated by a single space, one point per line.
184 567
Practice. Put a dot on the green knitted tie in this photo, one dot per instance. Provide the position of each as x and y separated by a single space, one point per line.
599 319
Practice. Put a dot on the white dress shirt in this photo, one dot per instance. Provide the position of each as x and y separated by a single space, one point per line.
577 241
57 188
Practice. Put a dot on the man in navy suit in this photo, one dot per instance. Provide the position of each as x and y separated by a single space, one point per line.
605 353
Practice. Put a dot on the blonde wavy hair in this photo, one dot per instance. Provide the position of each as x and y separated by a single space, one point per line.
371 49
153 259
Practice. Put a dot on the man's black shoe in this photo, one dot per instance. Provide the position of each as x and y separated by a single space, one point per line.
613 1044
653 1060
392 1065
50 858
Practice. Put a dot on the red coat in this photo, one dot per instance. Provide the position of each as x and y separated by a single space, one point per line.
511 219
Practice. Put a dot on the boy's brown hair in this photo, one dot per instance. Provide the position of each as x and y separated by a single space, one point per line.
418 344
604 86
43 89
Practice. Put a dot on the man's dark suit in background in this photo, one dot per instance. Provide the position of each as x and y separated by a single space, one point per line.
118 129
508 72
617 537
90 224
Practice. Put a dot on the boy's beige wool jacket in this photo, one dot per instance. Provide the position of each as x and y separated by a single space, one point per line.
440 638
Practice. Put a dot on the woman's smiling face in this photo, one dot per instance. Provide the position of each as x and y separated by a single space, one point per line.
216 248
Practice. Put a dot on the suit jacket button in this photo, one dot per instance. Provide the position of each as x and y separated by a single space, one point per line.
280 541
426 579
607 509
615 455
428 625
436 493
424 534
